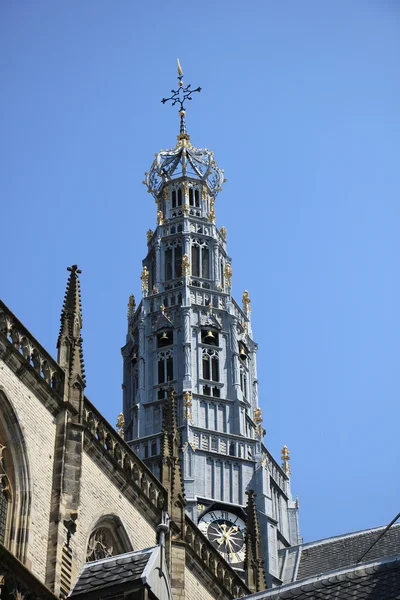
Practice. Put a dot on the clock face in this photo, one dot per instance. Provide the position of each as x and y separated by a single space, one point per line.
227 533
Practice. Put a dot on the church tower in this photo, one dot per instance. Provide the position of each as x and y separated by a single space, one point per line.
189 337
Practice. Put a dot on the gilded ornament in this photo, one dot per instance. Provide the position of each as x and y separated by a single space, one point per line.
160 217
228 274
187 403
223 232
185 265
285 460
145 280
166 193
257 416
246 302
212 210
186 209
131 305
155 289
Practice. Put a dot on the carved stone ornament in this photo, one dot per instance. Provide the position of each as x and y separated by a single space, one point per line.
101 544
210 320
163 321
121 424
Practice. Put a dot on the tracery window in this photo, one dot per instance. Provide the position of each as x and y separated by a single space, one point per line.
210 364
200 259
165 364
173 259
101 545
107 539
5 496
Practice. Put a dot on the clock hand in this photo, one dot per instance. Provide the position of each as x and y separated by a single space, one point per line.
229 547
233 529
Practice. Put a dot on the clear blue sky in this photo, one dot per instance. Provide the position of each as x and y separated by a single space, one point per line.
300 103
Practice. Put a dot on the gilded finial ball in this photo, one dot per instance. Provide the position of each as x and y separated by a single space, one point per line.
182 113
180 83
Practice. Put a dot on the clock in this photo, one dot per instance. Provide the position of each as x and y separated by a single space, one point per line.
227 533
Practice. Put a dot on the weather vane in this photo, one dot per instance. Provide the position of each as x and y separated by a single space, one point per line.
180 95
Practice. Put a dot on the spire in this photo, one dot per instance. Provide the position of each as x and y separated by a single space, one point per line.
180 96
69 343
184 160
254 564
171 472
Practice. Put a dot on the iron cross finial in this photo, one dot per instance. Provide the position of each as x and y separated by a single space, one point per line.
180 95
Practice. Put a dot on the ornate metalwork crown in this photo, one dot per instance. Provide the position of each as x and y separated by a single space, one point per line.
184 160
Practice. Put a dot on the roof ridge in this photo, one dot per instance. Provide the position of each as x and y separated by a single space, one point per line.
341 536
102 561
335 573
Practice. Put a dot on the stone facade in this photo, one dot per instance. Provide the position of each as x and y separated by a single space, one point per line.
75 491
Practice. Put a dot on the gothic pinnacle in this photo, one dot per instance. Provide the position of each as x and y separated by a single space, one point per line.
69 343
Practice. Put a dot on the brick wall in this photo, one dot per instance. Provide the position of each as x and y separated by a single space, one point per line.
196 590
38 428
100 497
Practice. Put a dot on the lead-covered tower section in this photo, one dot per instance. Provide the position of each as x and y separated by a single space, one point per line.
188 334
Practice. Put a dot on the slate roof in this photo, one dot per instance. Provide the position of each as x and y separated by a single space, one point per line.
112 572
377 580
342 551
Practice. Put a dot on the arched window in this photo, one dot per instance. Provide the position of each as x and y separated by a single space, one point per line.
173 260
194 197
210 365
5 495
15 482
108 538
165 363
200 259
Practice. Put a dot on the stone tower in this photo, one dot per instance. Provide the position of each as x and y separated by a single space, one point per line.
189 335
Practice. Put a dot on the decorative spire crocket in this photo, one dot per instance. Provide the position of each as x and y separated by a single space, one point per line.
254 563
171 472
69 343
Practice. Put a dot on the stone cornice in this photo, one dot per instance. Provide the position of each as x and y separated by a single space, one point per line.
124 467
23 354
